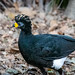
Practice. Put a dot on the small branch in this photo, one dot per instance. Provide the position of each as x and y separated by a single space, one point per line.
60 4
3 5
41 5
10 2
34 4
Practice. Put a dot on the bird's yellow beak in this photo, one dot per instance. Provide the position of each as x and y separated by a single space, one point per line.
15 25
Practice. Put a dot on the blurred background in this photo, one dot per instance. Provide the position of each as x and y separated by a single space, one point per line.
47 16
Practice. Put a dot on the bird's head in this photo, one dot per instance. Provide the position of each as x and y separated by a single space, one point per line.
22 21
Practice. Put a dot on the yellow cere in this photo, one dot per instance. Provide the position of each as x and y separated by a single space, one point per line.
16 25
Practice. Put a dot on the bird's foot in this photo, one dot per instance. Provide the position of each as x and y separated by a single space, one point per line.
43 71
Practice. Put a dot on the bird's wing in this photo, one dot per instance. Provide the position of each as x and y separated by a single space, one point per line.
55 47
48 53
47 48
68 38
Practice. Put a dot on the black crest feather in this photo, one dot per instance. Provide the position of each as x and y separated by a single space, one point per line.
22 18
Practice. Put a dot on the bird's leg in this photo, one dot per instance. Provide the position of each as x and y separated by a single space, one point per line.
43 71
60 71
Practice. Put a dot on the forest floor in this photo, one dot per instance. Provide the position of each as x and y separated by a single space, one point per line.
11 61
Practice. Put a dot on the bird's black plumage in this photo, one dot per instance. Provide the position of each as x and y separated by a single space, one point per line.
41 50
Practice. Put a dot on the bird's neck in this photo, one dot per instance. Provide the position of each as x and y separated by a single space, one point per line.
27 30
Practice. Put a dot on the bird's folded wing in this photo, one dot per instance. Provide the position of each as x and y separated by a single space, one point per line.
50 54
57 47
67 38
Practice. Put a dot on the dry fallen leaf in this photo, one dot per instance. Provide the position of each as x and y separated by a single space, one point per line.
53 25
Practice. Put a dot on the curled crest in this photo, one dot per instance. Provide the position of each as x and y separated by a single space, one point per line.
22 18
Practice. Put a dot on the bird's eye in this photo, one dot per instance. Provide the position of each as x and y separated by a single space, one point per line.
20 24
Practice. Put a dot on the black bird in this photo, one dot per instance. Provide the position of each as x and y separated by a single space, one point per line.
44 50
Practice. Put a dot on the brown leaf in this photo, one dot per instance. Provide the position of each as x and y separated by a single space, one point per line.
53 25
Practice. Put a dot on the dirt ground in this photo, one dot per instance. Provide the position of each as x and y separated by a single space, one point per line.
11 61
